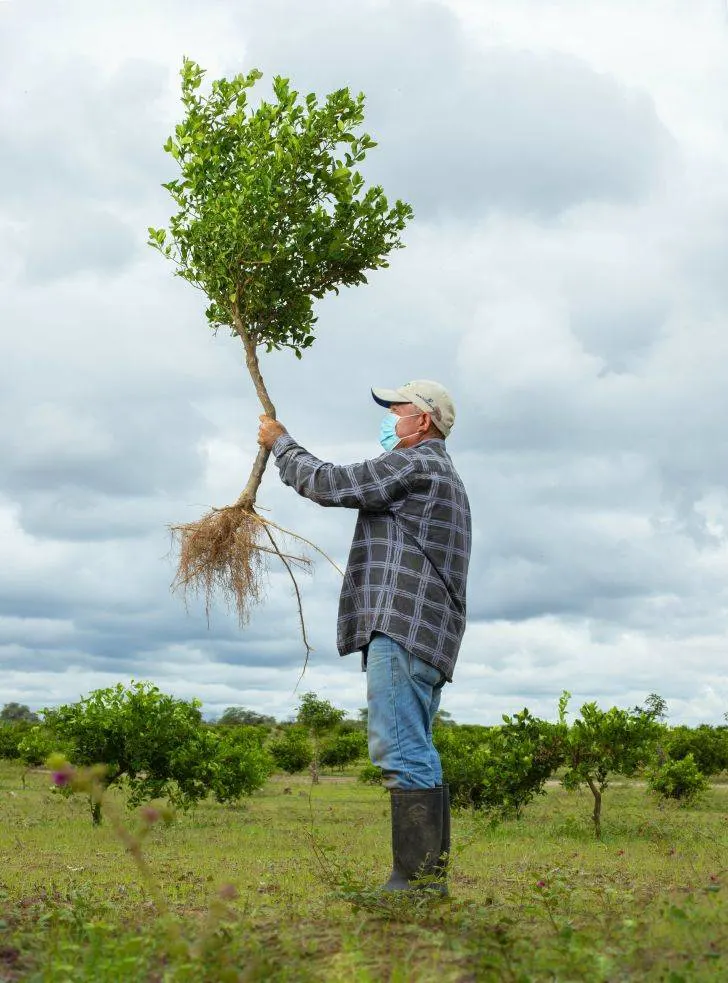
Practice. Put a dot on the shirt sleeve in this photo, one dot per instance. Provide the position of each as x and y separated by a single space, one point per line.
373 485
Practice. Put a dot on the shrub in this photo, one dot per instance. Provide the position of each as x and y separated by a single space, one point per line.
240 764
370 775
10 737
237 716
343 749
707 745
352 726
680 780
35 744
247 734
498 769
292 751
157 746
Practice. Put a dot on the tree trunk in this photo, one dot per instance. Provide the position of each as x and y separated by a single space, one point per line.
597 815
315 761
95 812
247 496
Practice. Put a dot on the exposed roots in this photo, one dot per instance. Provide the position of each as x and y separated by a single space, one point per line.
224 553
285 560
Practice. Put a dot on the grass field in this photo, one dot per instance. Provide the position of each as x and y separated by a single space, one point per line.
535 899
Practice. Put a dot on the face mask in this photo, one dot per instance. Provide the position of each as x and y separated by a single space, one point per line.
388 437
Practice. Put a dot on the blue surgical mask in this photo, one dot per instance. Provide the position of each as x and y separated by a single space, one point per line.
388 436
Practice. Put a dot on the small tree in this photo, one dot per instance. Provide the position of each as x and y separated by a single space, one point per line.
656 706
498 769
156 746
342 749
239 764
292 751
319 717
707 745
272 215
370 775
680 780
34 746
603 742
12 736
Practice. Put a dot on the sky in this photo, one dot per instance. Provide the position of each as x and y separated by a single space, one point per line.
565 277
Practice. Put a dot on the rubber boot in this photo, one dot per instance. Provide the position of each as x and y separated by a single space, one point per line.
444 860
417 839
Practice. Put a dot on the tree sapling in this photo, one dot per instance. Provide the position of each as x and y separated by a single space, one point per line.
272 215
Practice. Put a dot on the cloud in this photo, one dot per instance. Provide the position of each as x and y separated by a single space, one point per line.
80 134
516 664
62 243
124 448
466 128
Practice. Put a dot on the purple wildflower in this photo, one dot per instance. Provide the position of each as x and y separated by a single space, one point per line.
62 777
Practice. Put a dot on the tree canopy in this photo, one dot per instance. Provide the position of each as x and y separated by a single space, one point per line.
14 713
272 211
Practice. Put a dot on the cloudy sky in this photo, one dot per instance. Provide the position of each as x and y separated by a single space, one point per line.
566 277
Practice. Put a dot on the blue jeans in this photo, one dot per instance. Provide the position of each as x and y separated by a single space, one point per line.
403 696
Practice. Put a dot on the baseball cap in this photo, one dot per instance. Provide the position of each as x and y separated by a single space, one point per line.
429 396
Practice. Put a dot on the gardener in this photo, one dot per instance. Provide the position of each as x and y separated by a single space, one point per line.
402 602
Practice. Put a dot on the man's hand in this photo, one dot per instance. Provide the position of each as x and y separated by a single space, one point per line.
269 432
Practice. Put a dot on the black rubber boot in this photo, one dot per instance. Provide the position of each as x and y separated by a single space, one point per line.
445 841
417 840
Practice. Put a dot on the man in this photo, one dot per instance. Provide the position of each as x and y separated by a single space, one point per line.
402 602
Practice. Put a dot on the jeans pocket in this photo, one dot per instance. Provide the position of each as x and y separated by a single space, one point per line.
425 673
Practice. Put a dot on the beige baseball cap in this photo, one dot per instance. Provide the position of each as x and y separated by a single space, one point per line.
429 396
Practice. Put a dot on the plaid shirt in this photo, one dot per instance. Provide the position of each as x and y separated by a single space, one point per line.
408 563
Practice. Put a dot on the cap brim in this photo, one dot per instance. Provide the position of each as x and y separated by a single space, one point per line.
385 397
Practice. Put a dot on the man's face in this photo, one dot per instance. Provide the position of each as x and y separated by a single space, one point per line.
416 421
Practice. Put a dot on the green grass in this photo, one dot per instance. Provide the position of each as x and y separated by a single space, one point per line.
536 899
